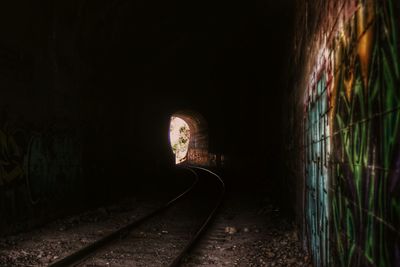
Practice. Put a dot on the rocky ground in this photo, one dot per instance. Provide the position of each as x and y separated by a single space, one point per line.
248 231
61 237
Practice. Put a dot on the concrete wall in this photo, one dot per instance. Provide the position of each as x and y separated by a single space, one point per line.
343 130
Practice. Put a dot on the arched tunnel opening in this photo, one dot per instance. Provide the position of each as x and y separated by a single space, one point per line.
189 138
274 123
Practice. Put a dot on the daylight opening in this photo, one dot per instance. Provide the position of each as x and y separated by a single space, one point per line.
179 136
189 138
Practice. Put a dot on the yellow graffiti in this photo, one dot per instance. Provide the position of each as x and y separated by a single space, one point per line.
10 155
360 30
365 34
350 60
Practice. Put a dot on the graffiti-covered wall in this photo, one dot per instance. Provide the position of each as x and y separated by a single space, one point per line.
346 89
41 133
74 117
37 168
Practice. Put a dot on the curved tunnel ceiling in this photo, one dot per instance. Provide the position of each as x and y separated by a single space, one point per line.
219 58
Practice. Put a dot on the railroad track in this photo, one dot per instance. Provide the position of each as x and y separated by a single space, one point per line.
182 219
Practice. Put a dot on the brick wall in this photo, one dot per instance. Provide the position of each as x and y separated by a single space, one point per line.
343 130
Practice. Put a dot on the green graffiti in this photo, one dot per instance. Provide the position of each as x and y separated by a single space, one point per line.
49 164
364 148
367 126
54 165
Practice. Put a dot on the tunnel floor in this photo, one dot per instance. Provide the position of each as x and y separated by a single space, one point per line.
247 231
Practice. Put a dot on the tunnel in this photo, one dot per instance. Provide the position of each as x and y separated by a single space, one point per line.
212 133
192 138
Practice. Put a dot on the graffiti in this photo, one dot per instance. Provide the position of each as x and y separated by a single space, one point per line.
36 168
198 156
362 178
317 171
366 126
11 158
54 165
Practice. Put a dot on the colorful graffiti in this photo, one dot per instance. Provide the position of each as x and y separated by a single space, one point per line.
360 197
317 130
35 168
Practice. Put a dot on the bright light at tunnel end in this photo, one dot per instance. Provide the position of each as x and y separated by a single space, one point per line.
179 135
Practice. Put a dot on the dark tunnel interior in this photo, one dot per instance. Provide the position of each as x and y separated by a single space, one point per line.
107 75
294 104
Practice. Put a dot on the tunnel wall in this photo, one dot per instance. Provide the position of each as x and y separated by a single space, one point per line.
343 130
40 144
73 133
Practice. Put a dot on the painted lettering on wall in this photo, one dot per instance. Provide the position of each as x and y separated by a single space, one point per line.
357 192
37 167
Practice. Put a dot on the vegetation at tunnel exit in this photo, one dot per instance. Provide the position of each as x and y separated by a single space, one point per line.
179 137
183 141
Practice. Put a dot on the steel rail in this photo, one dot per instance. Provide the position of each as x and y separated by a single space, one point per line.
205 223
83 253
